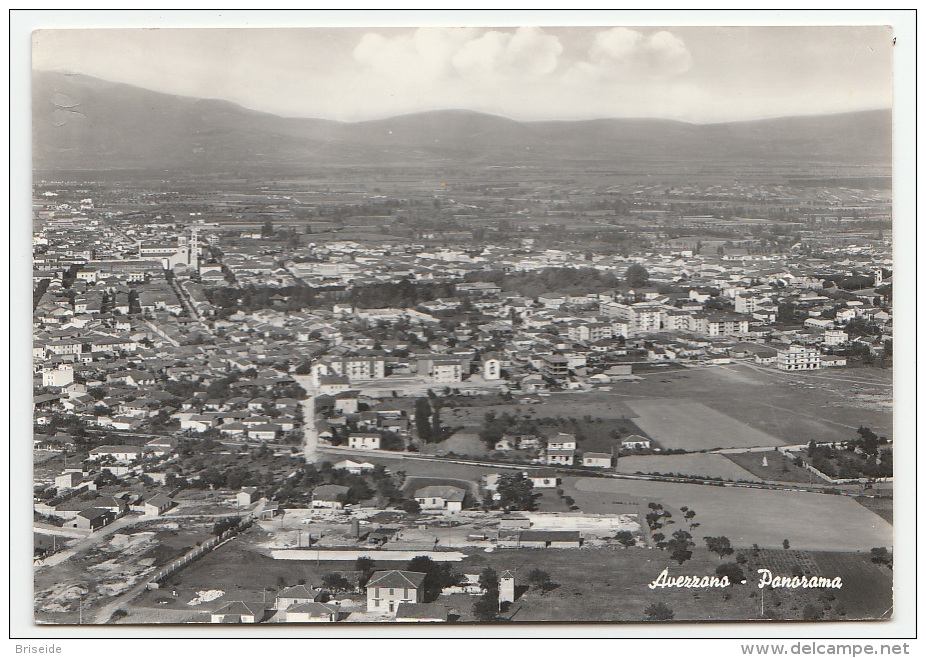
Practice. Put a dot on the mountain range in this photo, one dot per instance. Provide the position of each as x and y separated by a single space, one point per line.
85 123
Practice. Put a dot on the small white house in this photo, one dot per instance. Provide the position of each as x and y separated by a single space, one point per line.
596 460
246 496
364 441
543 478
440 498
353 467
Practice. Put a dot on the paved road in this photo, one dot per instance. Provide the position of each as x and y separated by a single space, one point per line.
851 489
310 434
49 529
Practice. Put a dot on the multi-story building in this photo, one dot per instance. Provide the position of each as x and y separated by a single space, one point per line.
387 589
589 332
364 440
353 367
447 371
643 317
798 357
57 377
719 324
745 303
835 337
554 366
491 366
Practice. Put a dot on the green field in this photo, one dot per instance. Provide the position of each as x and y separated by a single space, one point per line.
748 516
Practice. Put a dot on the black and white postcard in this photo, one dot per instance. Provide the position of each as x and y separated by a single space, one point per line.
463 325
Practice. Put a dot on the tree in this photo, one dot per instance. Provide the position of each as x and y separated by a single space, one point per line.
680 546
485 608
636 276
423 419
366 566
222 525
786 544
516 491
436 575
719 545
411 506
626 538
336 582
488 580
266 230
812 613
689 514
731 570
541 580
658 612
881 556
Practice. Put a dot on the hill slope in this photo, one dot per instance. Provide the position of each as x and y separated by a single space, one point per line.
85 123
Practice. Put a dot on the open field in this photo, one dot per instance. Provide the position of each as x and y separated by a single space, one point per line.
882 506
611 585
236 571
595 584
111 567
435 469
709 465
779 469
413 483
689 425
597 404
748 516
594 423
792 407
752 403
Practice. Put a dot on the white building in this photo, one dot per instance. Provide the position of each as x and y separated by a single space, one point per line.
58 377
835 337
362 441
797 357
491 367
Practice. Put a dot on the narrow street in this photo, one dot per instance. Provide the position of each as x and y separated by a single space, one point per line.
310 434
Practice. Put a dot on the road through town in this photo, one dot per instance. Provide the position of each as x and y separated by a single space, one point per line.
310 434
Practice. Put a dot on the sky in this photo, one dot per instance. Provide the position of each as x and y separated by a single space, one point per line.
694 74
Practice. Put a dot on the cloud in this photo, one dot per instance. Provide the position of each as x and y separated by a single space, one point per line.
527 52
624 54
461 53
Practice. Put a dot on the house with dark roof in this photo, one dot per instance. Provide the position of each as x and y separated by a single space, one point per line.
246 496
330 496
635 442
93 518
296 595
386 590
440 498
157 505
549 539
542 478
420 612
